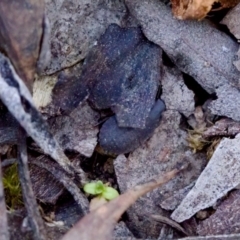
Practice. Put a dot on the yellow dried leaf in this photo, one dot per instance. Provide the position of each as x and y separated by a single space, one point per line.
197 9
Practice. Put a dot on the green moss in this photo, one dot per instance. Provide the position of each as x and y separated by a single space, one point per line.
12 187
196 140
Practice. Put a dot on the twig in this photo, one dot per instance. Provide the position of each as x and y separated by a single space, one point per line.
8 162
173 224
35 219
4 234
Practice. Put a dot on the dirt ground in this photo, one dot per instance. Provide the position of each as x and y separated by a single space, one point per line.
119 119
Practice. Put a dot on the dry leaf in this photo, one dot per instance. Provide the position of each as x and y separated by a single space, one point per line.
99 224
197 9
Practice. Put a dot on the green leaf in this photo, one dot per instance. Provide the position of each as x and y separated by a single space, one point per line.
94 188
110 193
100 187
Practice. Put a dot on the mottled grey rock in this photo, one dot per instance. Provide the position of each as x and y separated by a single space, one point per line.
75 27
68 212
119 140
197 48
232 21
173 201
221 175
123 73
227 103
237 63
78 130
161 153
69 91
225 220
121 231
175 93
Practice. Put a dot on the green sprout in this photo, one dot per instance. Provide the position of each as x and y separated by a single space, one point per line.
101 190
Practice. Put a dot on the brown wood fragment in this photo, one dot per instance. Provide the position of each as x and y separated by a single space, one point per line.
20 34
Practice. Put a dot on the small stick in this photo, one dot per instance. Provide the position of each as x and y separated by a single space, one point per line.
34 217
4 233
8 162
173 224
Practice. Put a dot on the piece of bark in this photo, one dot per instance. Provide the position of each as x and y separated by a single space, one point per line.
123 73
21 24
77 131
45 186
197 48
64 179
175 93
232 21
225 220
18 100
119 140
224 127
166 148
75 27
219 177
